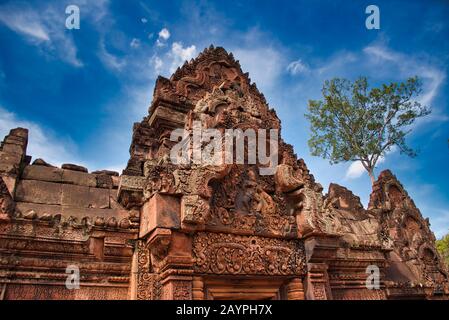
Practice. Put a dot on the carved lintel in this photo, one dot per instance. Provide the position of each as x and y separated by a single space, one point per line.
219 253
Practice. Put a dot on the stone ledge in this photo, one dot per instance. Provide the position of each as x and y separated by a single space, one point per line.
67 211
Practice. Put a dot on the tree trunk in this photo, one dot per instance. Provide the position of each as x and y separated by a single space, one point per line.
371 175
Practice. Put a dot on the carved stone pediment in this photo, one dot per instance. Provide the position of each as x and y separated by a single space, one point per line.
413 240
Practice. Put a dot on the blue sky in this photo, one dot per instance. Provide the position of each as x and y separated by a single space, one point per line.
79 91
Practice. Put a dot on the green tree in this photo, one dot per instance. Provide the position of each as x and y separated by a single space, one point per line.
356 123
443 248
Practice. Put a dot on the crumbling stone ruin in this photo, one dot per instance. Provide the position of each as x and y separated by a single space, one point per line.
169 231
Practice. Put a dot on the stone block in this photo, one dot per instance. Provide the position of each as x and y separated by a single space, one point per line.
15 140
161 211
115 181
98 198
37 172
19 132
113 193
131 183
6 167
79 178
42 162
75 196
13 148
104 181
107 172
7 157
74 167
84 197
38 192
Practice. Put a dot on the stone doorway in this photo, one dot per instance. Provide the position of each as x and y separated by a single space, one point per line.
227 288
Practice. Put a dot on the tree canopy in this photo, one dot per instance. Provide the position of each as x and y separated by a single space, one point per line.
356 123
443 248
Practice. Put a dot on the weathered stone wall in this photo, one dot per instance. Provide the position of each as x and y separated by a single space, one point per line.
53 218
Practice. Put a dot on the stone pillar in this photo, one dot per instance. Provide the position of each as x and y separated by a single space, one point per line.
295 290
318 282
177 288
198 288
170 262
144 284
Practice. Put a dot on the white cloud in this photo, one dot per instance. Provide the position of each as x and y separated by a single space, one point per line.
160 43
41 143
356 169
96 10
337 64
167 62
164 34
264 65
179 54
135 43
109 60
144 20
43 28
405 66
297 67
380 53
26 22
157 64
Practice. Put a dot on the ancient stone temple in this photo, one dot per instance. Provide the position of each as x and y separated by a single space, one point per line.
165 230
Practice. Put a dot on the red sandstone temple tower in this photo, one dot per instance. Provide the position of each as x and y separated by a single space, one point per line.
170 231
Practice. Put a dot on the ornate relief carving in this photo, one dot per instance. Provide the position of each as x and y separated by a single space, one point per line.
220 253
359 294
319 291
148 285
182 290
194 209
159 178
240 202
158 244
